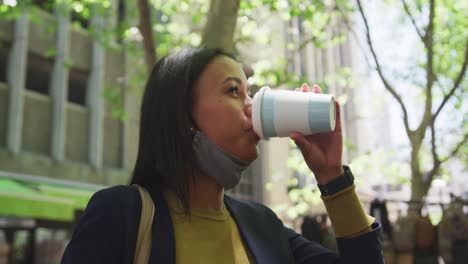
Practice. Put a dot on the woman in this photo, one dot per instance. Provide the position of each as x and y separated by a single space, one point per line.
196 138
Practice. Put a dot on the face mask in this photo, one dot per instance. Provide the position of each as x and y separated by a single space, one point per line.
225 168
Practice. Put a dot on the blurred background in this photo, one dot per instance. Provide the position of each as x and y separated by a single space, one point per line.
72 75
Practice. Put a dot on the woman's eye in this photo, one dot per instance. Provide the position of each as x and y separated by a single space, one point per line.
234 90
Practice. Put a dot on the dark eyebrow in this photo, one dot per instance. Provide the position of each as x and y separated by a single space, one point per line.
238 81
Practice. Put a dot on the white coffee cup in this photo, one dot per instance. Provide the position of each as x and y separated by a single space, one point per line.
276 113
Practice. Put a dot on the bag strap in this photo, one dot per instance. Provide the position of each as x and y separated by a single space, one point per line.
143 244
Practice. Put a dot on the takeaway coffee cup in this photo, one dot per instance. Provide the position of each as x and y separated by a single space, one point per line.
275 113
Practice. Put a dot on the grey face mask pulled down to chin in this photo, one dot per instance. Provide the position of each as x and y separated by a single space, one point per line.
225 168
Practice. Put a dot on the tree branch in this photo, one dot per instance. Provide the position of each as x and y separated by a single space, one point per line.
379 71
304 43
351 29
221 24
313 38
435 156
456 84
430 177
413 21
146 29
430 76
456 149
437 162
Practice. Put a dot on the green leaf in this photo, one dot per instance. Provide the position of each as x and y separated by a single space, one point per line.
68 63
50 52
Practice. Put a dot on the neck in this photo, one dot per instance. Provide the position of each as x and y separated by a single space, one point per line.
206 193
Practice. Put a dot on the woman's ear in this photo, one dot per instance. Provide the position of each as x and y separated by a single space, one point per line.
192 130
192 127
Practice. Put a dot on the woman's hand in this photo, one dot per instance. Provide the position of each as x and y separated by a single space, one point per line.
322 152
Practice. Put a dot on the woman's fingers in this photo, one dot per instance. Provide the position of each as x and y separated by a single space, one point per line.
306 88
316 89
338 117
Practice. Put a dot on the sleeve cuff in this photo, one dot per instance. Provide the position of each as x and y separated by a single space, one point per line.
346 212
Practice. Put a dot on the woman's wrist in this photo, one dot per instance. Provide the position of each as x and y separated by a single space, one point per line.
345 180
329 175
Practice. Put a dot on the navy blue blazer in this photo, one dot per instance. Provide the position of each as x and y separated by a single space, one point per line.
107 233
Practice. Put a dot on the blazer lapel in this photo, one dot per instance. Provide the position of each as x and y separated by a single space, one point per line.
259 232
163 242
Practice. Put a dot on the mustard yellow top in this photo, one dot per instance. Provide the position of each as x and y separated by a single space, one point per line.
347 214
206 236
212 236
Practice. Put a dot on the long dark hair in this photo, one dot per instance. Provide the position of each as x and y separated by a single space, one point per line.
165 158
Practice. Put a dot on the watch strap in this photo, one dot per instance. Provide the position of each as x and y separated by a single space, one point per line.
342 182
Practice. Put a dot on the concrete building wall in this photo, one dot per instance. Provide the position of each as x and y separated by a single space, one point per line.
35 155
77 133
36 164
36 123
41 38
112 142
3 113
80 49
6 27
276 173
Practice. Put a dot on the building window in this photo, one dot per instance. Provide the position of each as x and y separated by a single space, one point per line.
38 74
45 5
78 16
77 83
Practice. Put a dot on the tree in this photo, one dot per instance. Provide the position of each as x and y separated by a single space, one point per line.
221 24
220 20
146 28
441 28
218 31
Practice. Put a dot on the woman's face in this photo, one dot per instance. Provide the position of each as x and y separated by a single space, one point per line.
223 109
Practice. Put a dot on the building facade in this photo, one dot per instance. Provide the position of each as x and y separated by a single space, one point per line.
54 121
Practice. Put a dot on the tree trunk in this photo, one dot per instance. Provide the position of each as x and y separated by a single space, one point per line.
417 182
420 181
146 29
221 25
417 194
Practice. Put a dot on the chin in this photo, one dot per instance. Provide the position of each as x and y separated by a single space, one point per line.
252 155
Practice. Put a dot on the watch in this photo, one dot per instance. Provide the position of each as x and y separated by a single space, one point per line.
345 180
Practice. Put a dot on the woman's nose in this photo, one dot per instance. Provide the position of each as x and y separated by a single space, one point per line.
248 106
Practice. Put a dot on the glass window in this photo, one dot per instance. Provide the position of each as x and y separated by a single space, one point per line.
38 74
